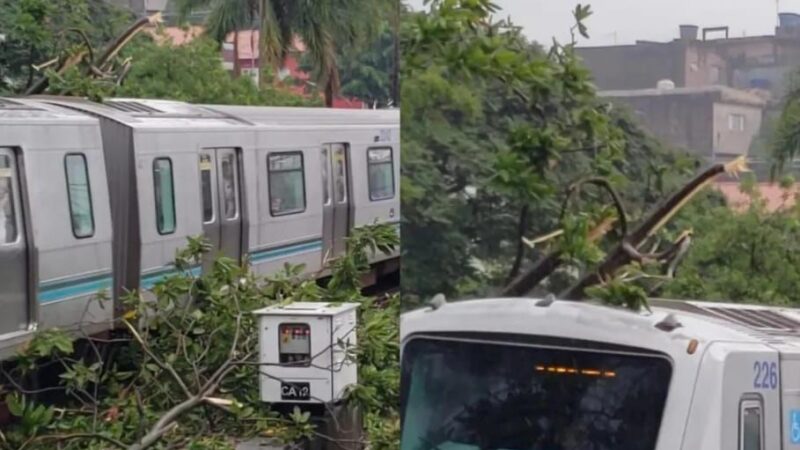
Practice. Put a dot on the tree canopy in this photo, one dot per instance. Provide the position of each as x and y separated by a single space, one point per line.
193 73
324 26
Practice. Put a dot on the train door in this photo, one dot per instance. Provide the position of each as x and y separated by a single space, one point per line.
14 302
220 191
336 198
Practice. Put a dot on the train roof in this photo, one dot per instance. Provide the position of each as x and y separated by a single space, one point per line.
272 115
14 110
145 113
152 113
706 321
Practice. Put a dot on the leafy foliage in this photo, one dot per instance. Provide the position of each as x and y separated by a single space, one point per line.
366 69
193 73
38 30
748 256
185 375
74 32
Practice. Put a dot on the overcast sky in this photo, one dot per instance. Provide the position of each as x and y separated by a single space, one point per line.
625 21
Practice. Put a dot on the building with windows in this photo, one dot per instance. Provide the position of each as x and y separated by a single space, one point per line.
717 123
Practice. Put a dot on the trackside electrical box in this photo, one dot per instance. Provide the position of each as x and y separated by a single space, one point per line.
303 348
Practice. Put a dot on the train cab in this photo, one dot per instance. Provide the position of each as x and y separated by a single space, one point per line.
543 374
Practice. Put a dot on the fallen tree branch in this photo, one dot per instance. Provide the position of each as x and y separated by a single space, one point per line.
522 226
622 256
156 359
549 263
606 185
104 61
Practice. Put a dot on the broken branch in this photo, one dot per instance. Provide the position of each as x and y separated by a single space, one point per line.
621 256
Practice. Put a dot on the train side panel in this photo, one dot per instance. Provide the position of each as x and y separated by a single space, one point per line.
790 399
73 232
289 210
168 169
372 200
736 400
70 221
297 236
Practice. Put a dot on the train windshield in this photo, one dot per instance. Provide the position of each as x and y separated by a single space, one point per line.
468 395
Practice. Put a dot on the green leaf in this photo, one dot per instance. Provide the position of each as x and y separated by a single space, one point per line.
16 404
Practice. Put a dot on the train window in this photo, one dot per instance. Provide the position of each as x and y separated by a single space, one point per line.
79 195
206 188
326 191
488 395
229 186
750 425
287 191
165 195
8 219
340 175
381 173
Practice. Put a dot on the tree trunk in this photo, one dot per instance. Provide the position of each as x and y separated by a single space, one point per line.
522 227
263 61
329 93
30 68
237 66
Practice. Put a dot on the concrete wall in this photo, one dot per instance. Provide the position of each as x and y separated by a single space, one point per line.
681 121
735 142
743 63
704 66
634 66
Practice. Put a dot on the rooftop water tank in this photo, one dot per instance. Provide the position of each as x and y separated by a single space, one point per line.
665 84
688 32
789 20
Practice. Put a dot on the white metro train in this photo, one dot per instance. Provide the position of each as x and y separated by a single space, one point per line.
527 374
100 196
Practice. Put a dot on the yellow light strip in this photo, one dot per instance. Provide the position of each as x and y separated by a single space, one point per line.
573 371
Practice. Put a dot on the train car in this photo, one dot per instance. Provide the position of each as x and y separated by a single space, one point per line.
101 196
160 160
358 152
542 373
55 223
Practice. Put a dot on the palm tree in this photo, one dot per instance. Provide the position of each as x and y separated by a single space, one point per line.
225 16
322 25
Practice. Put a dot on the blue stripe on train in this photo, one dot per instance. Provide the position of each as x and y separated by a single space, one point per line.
82 286
260 256
150 279
51 292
